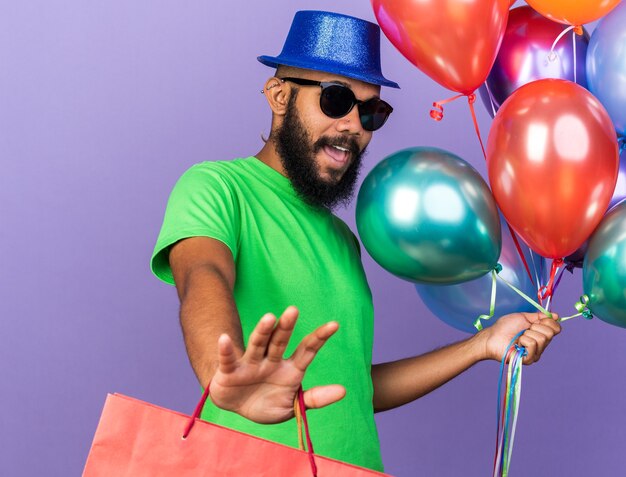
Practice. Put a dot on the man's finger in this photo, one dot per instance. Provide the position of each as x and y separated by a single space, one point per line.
540 339
226 355
281 334
259 338
311 344
552 323
531 347
321 396
534 317
544 329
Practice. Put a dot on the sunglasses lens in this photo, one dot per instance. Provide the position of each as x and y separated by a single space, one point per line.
374 114
336 101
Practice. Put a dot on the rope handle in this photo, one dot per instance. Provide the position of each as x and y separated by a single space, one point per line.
299 411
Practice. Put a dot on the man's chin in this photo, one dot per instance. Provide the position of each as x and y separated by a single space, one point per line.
331 177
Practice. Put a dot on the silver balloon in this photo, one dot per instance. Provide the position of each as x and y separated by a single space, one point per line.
460 305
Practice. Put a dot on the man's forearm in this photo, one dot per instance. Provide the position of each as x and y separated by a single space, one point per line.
400 382
207 310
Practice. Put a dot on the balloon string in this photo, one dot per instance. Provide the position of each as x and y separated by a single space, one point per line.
491 100
574 50
492 306
526 297
581 307
508 406
437 114
558 280
537 272
471 99
548 290
521 254
577 30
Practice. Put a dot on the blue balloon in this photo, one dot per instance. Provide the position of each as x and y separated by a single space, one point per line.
426 215
460 305
606 65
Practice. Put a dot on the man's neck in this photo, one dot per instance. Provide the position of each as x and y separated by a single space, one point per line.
270 157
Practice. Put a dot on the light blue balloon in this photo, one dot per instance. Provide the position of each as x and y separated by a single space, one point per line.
606 65
426 215
460 305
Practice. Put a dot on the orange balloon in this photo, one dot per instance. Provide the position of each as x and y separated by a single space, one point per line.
552 157
573 12
455 42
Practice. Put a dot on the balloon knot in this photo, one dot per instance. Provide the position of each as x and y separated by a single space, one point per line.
578 29
498 268
587 314
471 98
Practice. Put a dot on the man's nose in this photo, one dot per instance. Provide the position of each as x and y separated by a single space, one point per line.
351 122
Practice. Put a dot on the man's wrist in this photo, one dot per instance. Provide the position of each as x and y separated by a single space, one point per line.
479 345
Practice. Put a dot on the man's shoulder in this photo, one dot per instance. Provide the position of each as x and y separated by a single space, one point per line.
221 168
214 173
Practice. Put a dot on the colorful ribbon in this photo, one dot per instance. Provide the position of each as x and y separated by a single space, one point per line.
582 308
508 406
547 291
492 307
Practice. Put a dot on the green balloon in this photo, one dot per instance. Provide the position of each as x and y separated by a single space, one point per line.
426 215
604 268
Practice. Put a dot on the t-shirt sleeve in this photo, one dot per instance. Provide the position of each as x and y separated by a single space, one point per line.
202 204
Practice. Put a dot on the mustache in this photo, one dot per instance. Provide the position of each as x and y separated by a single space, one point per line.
342 141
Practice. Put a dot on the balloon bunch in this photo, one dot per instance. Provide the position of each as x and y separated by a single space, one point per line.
553 156
556 161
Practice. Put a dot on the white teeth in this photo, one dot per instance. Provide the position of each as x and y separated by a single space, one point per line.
342 148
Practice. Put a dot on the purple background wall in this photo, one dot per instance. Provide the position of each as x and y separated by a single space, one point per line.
102 106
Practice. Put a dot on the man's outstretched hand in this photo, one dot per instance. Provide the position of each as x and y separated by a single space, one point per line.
539 332
259 383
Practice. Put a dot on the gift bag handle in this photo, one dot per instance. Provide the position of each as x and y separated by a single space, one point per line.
300 409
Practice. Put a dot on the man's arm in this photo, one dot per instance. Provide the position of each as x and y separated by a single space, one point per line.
257 382
204 273
399 382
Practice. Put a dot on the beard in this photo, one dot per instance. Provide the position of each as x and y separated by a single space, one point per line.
297 155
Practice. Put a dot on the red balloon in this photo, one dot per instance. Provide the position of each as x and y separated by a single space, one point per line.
455 42
552 157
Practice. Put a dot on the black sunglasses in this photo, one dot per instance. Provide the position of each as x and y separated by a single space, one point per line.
338 100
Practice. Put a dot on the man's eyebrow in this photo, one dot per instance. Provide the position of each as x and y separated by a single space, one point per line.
342 83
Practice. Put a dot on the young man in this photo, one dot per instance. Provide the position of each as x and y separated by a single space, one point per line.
257 235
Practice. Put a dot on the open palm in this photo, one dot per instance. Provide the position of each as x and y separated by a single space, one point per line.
260 384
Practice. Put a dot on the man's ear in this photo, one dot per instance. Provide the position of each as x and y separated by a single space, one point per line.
277 93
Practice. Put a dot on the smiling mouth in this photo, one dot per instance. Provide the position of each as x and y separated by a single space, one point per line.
340 155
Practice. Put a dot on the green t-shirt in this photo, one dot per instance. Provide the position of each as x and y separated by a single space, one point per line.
287 253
